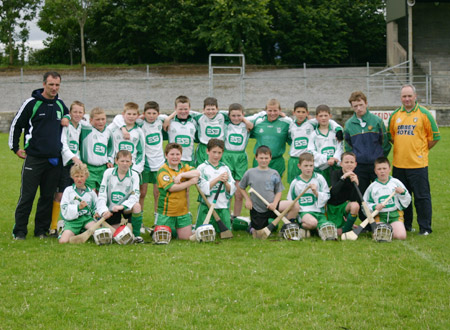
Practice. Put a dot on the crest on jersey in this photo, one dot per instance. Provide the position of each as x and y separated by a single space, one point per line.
166 178
415 119
370 127
399 120
278 129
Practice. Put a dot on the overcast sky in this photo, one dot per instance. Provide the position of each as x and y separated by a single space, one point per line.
36 35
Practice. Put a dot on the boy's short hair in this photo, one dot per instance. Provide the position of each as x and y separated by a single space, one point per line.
123 153
235 106
263 150
182 99
382 160
348 153
356 96
97 111
151 105
80 104
215 143
79 168
131 106
323 108
171 146
273 102
210 101
300 104
305 157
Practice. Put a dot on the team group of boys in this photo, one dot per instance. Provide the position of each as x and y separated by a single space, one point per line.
135 145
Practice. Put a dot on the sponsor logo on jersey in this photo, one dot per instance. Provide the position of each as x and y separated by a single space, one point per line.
153 139
117 197
73 146
300 143
381 199
406 129
236 139
307 200
213 132
329 151
183 140
99 149
126 145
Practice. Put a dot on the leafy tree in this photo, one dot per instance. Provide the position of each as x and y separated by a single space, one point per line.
15 14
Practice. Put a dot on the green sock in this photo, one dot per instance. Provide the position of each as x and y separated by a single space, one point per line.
136 222
351 218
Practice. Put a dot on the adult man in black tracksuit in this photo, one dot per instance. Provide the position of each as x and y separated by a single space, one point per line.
40 118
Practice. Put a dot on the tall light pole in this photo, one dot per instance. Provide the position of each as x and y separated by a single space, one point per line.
410 3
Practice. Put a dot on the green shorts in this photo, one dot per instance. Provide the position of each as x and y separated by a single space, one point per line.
224 215
95 176
390 217
293 170
77 225
336 214
237 161
149 177
277 164
200 154
180 221
320 217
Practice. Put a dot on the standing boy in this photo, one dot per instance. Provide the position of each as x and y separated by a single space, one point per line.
300 138
380 189
40 118
78 204
212 172
327 149
119 195
267 182
343 206
96 147
174 180
312 203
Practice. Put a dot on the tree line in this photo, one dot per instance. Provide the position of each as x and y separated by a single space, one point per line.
186 31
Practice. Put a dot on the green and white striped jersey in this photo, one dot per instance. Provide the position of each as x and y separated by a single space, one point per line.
70 138
96 148
377 192
309 202
71 200
183 133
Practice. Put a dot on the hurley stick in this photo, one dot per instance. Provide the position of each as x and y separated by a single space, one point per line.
224 231
82 238
251 190
353 235
366 208
266 231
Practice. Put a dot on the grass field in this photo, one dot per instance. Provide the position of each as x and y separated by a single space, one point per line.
235 284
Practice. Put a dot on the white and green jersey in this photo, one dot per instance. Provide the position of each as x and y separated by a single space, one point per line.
300 138
114 191
70 139
377 192
309 202
183 133
272 134
236 138
96 148
153 136
209 172
325 147
71 200
210 128
135 145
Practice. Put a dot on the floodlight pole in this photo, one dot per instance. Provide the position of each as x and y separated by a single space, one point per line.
410 3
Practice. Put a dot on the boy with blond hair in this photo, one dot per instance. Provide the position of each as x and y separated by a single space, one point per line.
78 204
96 147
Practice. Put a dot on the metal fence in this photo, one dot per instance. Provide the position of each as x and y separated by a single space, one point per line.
253 88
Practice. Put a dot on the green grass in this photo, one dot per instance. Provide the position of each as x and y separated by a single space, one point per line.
240 283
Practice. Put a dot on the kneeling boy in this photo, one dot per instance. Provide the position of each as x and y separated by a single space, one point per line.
78 204
378 191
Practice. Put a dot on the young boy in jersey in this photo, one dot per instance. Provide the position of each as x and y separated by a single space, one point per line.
70 138
312 203
327 149
212 172
96 147
181 128
119 195
380 189
78 204
235 157
343 206
300 138
135 142
267 182
174 179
